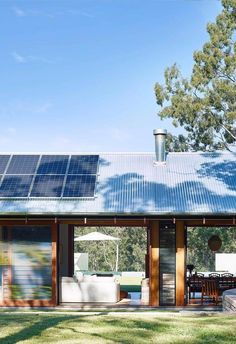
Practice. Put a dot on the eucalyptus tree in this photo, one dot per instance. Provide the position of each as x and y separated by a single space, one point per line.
204 104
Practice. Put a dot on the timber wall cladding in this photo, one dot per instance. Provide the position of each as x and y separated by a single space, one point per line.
167 263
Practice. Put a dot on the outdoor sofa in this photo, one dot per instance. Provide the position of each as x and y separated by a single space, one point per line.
89 288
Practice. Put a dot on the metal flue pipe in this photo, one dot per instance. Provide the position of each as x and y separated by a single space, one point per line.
160 144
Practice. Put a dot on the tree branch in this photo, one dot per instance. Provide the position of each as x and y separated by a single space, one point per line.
228 131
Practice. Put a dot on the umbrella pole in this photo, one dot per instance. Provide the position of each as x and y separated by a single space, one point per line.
117 256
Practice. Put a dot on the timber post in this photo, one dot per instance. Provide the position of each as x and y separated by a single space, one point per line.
154 253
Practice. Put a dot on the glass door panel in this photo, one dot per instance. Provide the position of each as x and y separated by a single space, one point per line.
26 263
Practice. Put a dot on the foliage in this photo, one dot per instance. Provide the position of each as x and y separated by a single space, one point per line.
133 247
198 252
205 104
102 254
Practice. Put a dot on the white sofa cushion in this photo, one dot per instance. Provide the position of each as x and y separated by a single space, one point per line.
79 276
95 278
89 290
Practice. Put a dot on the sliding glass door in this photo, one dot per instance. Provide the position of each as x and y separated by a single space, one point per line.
25 263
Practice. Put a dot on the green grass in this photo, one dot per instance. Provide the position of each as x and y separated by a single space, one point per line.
116 328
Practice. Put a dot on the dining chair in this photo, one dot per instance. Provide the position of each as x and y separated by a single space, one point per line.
210 290
226 282
214 275
199 274
227 274
195 284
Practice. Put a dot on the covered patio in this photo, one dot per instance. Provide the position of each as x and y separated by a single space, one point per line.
211 267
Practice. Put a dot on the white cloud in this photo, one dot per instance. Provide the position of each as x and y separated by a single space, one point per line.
7 137
19 12
11 131
118 134
4 141
18 58
60 144
44 108
80 13
15 110
38 59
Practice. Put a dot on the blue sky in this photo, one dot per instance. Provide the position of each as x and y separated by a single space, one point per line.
79 75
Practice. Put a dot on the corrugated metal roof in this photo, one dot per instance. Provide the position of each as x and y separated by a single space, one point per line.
132 183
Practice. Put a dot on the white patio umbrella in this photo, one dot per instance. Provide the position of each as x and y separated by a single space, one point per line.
97 236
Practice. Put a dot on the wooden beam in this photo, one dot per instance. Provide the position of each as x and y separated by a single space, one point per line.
106 222
210 223
116 221
180 263
22 222
147 259
54 229
154 252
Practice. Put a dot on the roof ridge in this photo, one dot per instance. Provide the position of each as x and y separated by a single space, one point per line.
113 153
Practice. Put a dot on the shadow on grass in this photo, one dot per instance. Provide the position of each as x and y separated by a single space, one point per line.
127 329
34 325
122 330
30 330
179 330
118 330
207 329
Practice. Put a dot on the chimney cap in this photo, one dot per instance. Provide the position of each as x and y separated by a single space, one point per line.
159 132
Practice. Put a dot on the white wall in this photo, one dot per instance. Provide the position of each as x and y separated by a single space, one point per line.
80 261
225 262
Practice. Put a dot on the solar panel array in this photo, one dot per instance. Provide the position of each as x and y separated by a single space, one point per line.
48 176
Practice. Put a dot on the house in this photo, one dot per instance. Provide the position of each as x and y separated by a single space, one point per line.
43 196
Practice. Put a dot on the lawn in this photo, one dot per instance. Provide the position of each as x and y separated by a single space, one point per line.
144 327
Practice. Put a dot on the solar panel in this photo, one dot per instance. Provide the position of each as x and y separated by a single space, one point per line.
3 162
48 174
83 164
80 186
47 186
53 164
15 186
23 164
